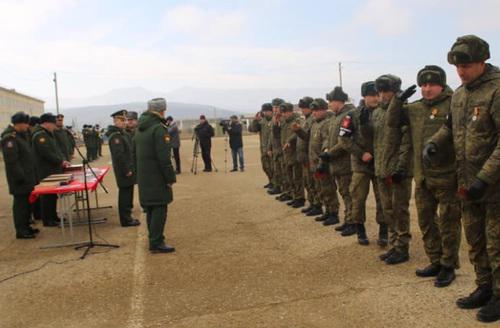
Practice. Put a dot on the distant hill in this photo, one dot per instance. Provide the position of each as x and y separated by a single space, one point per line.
101 114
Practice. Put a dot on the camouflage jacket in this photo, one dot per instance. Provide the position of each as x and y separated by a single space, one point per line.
289 137
263 127
275 139
340 163
474 127
303 139
318 135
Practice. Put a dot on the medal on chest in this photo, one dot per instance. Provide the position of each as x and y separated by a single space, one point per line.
477 111
433 113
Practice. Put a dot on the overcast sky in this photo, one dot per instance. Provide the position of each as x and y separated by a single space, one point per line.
96 46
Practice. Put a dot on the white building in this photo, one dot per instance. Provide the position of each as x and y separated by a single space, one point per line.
12 102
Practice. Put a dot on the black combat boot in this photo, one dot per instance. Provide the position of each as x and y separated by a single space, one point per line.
331 220
431 270
384 256
341 227
445 277
477 299
307 209
362 238
290 203
382 240
162 249
317 210
284 198
349 230
268 186
397 257
491 311
274 191
323 217
298 203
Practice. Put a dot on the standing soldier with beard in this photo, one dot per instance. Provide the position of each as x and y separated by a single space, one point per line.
339 159
435 183
393 170
358 140
276 152
303 131
293 169
474 127
263 125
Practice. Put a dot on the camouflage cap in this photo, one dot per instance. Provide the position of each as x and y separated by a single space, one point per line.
20 117
368 89
431 74
267 107
319 104
277 101
131 115
157 105
388 82
337 94
286 107
305 102
468 49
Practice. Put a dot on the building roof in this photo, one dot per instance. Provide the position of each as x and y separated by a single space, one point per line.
13 91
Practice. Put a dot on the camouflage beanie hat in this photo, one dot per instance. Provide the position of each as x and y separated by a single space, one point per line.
388 82
157 105
337 94
319 104
305 102
431 74
469 49
277 101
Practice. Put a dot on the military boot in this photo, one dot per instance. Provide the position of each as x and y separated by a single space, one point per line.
307 209
477 299
317 210
290 203
397 257
383 235
331 220
323 217
268 186
491 311
431 270
341 227
361 231
299 203
384 256
349 230
284 198
445 277
274 191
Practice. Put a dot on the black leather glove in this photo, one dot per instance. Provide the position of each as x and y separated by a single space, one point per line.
429 151
477 190
325 157
364 116
397 176
403 96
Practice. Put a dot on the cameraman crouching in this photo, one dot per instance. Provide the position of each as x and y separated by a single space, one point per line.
234 130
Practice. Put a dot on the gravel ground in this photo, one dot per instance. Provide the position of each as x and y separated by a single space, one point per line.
243 260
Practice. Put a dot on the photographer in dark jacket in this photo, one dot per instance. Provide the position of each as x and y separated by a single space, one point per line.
173 131
234 130
204 132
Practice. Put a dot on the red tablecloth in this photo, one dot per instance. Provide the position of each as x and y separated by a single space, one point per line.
76 185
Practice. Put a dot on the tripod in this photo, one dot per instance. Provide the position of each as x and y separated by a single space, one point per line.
225 152
90 244
196 151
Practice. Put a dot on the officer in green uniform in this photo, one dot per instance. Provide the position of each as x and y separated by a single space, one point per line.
357 138
393 171
50 160
20 171
302 131
62 137
339 158
275 150
95 141
122 157
87 141
320 169
131 123
262 124
36 207
155 173
293 169
72 142
435 184
99 134
474 127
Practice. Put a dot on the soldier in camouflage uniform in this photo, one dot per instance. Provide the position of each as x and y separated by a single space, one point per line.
302 131
274 148
393 171
293 169
435 184
263 125
323 179
339 159
473 126
357 139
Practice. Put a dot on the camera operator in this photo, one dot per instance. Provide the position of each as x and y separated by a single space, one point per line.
173 131
235 130
204 132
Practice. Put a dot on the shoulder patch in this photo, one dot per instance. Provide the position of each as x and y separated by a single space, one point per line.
9 144
116 141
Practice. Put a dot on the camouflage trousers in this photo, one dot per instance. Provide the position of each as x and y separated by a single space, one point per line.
395 199
286 183
293 175
310 186
342 183
277 180
441 233
360 187
327 194
267 166
482 231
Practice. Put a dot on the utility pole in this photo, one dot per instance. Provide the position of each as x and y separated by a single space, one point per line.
57 95
340 73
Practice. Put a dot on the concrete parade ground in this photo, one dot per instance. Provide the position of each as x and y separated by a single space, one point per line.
243 260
